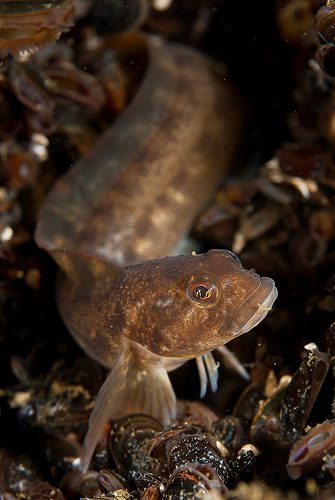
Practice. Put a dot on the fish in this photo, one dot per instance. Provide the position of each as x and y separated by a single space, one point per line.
113 222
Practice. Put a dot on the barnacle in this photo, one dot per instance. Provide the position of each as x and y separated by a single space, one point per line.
312 449
25 25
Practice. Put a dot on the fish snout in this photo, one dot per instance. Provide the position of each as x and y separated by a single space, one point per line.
254 309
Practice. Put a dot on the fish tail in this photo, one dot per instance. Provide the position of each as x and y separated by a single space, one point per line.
138 383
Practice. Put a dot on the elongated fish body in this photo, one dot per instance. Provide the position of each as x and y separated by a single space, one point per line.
113 220
155 169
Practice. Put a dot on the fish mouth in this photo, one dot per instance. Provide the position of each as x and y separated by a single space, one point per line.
255 308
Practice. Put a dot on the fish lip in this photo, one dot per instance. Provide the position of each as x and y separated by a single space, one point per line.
263 296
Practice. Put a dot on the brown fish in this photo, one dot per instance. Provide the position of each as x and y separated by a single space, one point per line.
112 219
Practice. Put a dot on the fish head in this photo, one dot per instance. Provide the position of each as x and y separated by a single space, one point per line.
187 305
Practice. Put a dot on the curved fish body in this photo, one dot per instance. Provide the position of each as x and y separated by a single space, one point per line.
138 191
113 220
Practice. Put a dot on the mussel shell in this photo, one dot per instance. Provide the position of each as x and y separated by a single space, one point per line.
302 392
72 84
162 443
260 222
266 428
229 431
29 88
62 399
190 481
244 464
247 403
307 250
18 7
126 436
151 493
325 23
109 481
59 452
24 25
88 485
197 448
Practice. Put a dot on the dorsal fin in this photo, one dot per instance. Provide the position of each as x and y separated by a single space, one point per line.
84 267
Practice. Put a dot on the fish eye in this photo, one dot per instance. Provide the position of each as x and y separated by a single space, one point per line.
203 293
233 256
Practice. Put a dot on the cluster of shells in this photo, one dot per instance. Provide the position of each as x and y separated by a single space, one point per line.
270 437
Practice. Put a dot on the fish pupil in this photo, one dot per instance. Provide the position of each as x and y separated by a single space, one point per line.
202 292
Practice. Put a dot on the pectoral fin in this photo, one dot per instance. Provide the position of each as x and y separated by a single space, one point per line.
133 386
85 267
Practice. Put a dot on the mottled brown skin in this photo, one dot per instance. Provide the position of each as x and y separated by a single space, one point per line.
137 193
144 320
148 303
130 201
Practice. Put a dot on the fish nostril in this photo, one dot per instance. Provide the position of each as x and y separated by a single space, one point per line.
233 256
